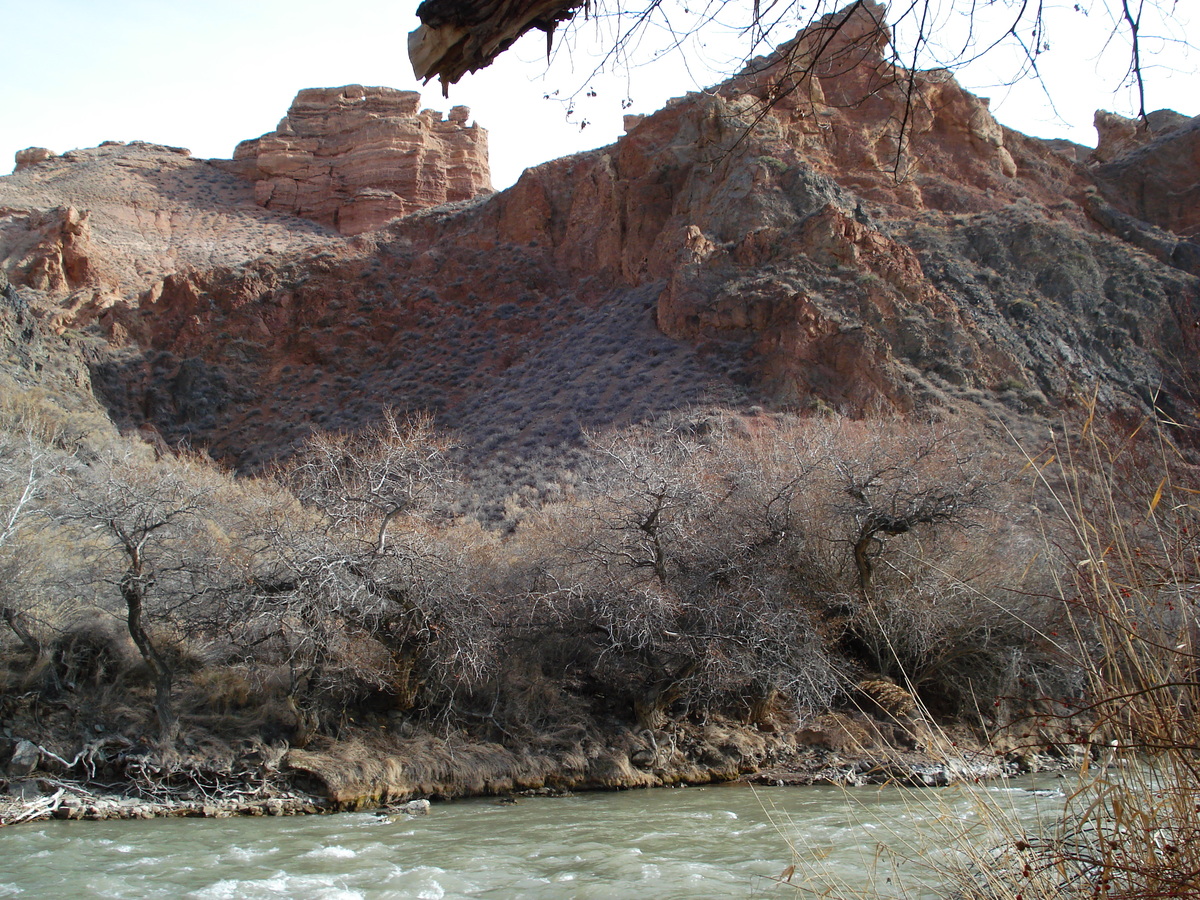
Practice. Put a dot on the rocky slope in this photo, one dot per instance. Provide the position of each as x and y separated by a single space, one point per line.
110 222
795 241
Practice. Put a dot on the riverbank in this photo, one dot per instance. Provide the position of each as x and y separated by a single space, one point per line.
116 778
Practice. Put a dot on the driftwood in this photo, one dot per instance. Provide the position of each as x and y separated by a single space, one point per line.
165 783
27 811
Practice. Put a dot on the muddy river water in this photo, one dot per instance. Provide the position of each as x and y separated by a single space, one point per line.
724 841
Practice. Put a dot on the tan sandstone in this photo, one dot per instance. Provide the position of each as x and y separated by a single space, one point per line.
31 156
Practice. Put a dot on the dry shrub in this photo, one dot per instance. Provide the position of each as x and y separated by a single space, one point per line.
717 560
226 690
55 420
963 621
1132 593
93 651
238 702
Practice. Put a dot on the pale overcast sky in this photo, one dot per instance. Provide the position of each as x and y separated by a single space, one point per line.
205 75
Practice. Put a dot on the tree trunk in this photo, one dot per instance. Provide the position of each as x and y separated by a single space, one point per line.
650 708
16 622
133 592
862 560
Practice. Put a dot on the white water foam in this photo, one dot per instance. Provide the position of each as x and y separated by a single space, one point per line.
334 852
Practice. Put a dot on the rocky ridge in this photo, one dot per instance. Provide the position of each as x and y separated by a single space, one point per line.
780 240
109 223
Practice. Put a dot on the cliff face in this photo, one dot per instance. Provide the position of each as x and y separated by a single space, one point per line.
1149 170
861 237
356 157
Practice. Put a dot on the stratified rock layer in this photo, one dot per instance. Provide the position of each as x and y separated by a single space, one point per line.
357 157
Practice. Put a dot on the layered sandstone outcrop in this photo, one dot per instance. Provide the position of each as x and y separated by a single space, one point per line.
357 157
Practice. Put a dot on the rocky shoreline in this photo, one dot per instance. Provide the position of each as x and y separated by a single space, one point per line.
75 801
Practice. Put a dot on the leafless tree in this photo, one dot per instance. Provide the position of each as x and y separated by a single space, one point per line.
896 479
364 480
347 581
30 463
743 561
150 526
668 570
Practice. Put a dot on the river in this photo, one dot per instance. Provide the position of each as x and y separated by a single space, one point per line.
701 842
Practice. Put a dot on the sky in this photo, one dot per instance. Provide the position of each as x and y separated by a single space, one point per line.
206 74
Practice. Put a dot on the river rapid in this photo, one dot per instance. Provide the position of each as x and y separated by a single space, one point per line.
702 842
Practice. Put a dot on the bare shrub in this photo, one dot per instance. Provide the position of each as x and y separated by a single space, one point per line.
717 559
364 480
29 466
348 583
91 652
662 573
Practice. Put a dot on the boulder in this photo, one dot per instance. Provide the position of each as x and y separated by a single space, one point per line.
31 156
24 760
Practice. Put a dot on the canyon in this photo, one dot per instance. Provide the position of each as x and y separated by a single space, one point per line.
840 243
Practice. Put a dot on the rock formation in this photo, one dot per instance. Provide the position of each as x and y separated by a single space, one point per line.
357 157
1117 135
780 240
1153 175
31 156
46 249
113 221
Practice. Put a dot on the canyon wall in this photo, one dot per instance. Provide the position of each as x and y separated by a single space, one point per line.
840 235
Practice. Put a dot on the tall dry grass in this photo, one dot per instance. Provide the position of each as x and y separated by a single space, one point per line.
1120 515
1130 586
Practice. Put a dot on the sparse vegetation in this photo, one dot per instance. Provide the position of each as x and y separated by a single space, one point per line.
1119 521
1129 828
